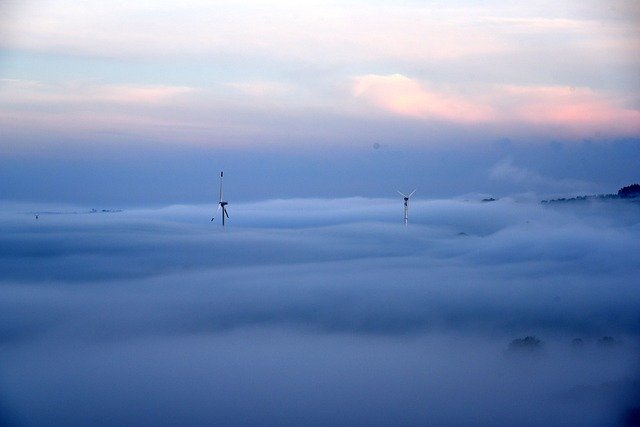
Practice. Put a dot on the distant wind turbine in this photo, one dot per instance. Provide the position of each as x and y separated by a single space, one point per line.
222 205
406 205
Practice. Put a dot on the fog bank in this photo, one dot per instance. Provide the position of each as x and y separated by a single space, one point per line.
318 311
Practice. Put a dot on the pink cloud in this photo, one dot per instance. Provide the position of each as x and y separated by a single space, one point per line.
404 96
575 109
574 112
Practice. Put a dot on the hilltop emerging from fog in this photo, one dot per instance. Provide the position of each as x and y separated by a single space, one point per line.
629 192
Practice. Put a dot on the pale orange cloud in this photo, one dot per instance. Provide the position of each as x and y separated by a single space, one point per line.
573 111
404 96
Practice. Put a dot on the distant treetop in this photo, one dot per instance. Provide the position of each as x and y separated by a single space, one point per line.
629 191
526 343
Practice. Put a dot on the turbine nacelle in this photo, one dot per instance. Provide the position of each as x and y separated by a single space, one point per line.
404 195
222 205
406 205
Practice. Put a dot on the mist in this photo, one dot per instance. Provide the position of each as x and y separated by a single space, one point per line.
372 166
321 311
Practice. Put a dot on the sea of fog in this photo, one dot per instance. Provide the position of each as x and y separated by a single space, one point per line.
322 312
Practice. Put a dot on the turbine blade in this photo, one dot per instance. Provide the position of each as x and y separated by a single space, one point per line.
411 194
401 193
225 212
221 175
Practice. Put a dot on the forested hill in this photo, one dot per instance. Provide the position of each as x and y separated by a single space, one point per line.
629 192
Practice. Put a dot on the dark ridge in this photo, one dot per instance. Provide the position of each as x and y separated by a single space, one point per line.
629 192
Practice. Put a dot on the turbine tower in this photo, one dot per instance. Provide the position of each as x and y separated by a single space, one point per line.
222 205
406 205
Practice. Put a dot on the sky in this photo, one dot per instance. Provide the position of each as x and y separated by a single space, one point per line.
321 312
350 98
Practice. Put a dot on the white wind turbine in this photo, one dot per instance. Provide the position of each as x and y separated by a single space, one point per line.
406 205
222 205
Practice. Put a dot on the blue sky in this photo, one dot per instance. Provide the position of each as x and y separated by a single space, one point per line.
317 84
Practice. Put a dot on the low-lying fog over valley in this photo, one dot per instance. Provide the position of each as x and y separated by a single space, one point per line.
321 312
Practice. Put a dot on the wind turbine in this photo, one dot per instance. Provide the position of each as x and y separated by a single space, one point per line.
222 205
406 205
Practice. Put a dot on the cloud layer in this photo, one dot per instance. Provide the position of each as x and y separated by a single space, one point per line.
530 69
580 111
320 311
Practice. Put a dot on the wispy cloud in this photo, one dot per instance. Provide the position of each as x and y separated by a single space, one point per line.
37 93
401 95
283 30
577 110
314 32
262 89
502 68
573 111
506 170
